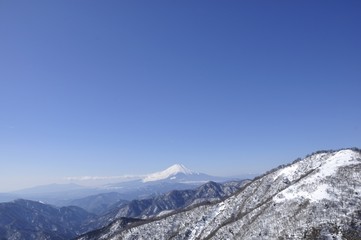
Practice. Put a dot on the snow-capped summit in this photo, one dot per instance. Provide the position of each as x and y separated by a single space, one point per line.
170 172
176 177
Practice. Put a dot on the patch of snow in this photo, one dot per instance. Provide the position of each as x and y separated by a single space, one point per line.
286 171
325 168
341 158
329 166
221 206
316 194
164 212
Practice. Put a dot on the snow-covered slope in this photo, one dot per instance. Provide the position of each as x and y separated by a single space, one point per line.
166 203
318 197
170 172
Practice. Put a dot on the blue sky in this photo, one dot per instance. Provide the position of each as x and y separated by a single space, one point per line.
104 88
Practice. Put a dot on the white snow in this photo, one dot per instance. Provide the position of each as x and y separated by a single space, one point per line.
205 219
325 168
221 207
164 212
317 194
341 158
286 171
169 172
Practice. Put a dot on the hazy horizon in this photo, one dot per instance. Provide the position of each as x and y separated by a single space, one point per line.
114 88
101 181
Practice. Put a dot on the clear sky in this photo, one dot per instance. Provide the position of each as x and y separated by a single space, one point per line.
106 88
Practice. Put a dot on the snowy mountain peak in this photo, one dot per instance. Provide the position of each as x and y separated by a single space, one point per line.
179 168
169 172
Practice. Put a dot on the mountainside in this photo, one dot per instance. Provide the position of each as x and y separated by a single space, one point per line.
165 203
100 203
318 197
24 219
176 199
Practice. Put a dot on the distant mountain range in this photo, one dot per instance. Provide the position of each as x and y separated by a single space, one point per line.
176 177
318 197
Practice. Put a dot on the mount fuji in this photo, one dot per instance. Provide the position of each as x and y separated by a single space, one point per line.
170 173
180 173
176 177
